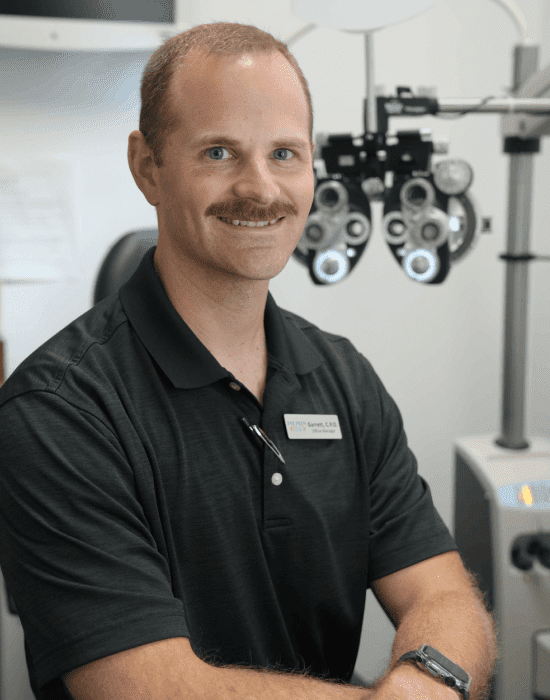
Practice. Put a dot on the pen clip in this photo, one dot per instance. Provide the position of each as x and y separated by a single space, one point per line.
260 433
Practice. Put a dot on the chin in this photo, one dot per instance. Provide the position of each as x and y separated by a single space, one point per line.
261 264
262 275
261 272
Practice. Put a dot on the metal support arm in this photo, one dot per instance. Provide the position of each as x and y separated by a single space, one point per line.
526 117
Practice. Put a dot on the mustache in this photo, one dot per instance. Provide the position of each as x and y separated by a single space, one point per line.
243 210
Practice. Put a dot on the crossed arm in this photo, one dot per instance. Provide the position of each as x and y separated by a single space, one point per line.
436 602
433 602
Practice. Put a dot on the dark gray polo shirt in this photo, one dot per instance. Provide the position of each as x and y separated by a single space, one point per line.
135 505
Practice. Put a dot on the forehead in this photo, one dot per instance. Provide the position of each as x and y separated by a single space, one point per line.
252 89
202 66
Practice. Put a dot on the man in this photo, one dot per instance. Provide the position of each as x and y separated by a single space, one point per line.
156 544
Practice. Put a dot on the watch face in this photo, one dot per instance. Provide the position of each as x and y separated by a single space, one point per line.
446 663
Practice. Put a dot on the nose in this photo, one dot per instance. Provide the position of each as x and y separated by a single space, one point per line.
256 181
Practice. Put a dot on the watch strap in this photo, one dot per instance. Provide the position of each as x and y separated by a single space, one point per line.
419 657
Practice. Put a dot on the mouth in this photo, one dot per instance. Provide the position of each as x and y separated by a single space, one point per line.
251 224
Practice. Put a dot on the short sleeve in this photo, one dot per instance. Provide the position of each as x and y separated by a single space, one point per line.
405 526
76 550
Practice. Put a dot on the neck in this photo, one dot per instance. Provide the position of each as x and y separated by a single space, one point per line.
227 317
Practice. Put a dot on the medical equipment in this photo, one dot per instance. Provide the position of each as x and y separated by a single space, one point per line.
502 485
502 529
430 221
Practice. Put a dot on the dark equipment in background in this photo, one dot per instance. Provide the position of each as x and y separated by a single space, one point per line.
429 219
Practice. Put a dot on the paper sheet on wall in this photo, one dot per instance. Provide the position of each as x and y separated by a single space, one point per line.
37 221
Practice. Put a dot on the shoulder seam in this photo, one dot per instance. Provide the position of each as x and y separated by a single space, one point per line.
76 359
70 403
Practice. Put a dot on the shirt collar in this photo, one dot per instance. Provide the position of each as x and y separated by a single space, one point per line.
178 351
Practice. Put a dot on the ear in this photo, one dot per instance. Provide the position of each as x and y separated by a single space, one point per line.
143 168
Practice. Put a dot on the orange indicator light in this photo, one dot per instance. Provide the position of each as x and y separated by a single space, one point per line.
525 496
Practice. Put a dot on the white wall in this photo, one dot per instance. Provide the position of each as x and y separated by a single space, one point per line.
437 348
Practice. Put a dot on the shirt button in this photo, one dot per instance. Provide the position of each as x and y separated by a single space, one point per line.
277 479
235 386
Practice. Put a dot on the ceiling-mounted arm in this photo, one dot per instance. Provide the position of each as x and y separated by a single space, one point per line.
519 18
371 119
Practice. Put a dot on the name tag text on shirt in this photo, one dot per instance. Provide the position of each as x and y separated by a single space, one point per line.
305 426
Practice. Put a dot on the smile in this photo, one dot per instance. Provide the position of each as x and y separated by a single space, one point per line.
254 224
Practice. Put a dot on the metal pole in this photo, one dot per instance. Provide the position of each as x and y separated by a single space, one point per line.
371 119
502 105
516 305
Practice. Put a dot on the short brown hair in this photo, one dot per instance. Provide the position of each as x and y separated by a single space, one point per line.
221 38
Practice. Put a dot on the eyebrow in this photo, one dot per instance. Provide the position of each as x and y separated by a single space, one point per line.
223 139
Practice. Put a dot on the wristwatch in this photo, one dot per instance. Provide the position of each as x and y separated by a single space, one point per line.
440 666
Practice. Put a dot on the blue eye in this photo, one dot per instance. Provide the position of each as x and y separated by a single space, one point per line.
284 150
216 152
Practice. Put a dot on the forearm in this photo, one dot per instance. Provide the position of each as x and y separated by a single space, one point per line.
170 669
460 628
225 683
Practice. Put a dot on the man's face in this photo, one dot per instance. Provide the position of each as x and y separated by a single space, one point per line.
242 152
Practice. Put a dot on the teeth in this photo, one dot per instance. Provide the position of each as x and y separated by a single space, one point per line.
236 222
